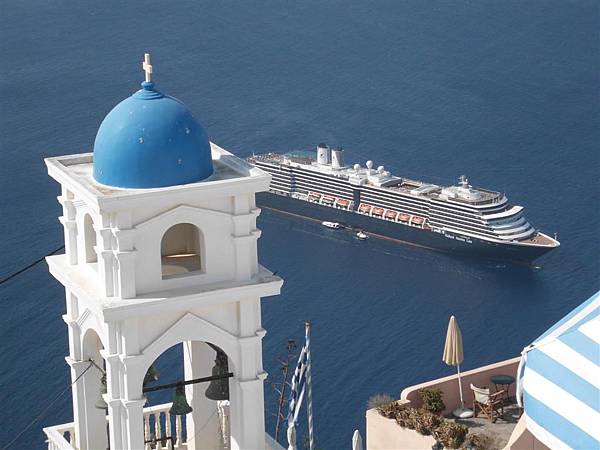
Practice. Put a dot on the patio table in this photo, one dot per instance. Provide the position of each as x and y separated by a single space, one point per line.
504 381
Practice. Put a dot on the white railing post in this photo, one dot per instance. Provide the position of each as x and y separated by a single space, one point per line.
168 430
157 429
178 443
147 431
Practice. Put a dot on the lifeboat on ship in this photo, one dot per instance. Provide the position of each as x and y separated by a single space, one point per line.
343 203
404 217
377 212
327 200
389 214
416 220
364 208
314 197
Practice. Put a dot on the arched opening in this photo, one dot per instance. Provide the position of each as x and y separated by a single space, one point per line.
89 235
181 251
206 423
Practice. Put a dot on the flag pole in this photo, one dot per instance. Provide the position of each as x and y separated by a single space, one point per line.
311 435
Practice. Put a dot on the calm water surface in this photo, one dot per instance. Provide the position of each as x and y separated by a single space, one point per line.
506 92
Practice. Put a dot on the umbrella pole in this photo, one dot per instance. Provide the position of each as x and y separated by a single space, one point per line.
462 403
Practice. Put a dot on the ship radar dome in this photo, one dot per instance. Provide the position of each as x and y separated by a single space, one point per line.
151 140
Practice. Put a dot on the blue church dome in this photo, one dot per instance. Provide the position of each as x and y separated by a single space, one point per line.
151 140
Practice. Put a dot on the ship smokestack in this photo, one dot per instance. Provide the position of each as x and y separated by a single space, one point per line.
337 158
323 154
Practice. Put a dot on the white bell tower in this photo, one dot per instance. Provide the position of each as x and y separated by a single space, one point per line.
168 263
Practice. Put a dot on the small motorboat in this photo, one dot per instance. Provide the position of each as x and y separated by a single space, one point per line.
332 225
361 236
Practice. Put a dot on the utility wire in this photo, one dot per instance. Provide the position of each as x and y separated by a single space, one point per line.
47 408
37 261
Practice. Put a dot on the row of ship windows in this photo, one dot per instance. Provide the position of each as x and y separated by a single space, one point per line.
433 212
507 220
393 201
462 223
441 223
467 209
323 177
311 176
317 180
398 204
324 190
435 220
507 226
395 195
476 216
388 197
444 212
474 230
450 207
320 187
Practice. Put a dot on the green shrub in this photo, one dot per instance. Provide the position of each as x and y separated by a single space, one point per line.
432 400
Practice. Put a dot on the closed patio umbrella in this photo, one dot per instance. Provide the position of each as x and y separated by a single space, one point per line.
453 356
357 443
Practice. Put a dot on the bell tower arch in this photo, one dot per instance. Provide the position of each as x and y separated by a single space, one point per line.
161 252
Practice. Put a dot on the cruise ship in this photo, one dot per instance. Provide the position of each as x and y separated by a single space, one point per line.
459 218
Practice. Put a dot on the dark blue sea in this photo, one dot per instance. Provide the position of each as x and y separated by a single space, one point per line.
504 92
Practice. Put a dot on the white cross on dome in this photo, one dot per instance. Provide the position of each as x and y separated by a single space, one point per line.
147 67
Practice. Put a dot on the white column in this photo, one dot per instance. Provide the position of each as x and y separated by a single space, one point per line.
112 397
78 394
90 422
134 419
133 401
246 389
69 224
247 416
203 422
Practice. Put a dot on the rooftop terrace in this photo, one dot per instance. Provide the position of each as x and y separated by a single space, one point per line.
504 433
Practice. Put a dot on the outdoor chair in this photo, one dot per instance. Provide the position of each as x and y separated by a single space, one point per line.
489 404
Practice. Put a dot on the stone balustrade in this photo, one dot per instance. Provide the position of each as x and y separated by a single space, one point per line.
59 437
161 430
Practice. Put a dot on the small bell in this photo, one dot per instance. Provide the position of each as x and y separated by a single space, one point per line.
151 375
100 403
180 405
219 389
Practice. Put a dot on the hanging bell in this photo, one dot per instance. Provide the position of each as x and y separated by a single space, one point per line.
219 389
151 375
180 405
100 403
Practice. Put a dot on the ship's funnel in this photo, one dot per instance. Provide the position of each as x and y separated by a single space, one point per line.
323 154
337 158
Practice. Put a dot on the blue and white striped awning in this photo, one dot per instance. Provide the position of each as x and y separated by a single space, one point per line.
559 381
